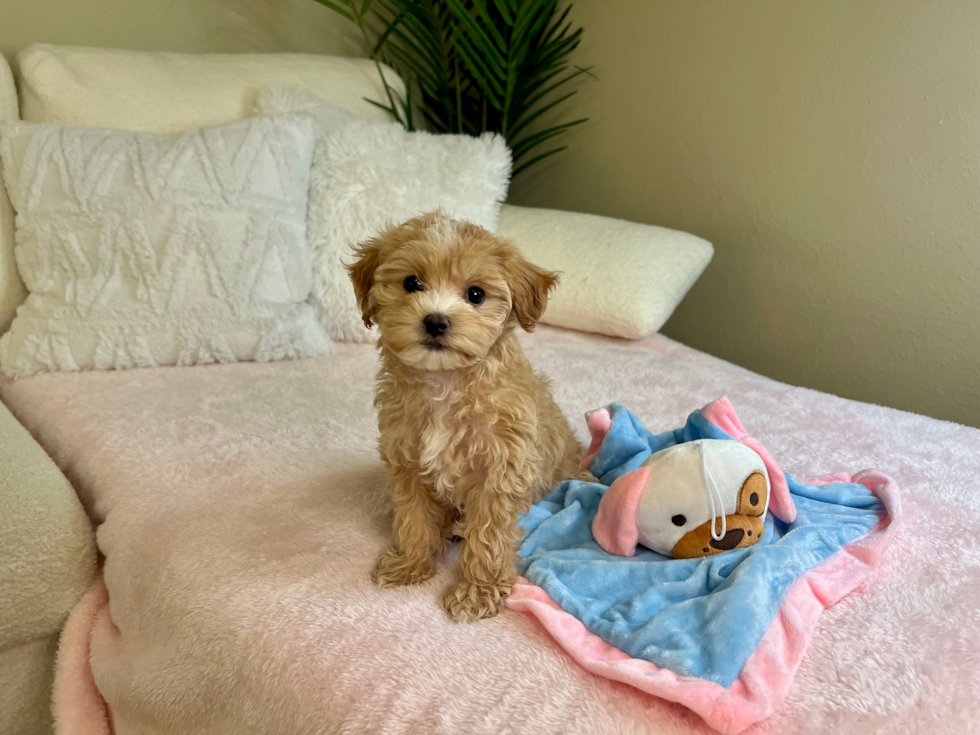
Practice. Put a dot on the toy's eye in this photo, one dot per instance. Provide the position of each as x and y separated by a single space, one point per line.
475 295
754 499
413 284
678 520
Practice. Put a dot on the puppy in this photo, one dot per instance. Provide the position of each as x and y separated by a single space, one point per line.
470 435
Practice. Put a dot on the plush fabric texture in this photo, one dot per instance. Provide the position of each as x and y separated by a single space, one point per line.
619 278
75 697
171 92
160 93
241 511
722 414
367 174
47 561
675 491
26 673
46 541
767 675
12 292
141 249
700 618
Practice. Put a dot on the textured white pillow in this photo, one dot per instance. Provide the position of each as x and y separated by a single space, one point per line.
618 278
140 249
366 174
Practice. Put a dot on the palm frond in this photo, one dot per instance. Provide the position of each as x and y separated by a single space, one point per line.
506 10
475 65
528 164
530 118
525 145
537 94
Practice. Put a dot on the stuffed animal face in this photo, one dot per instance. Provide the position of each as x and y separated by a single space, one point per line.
678 496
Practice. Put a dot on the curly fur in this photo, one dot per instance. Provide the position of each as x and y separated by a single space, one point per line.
470 435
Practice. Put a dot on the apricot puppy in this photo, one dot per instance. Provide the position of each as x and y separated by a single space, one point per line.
470 435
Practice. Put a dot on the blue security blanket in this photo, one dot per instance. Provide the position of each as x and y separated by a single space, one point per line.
698 617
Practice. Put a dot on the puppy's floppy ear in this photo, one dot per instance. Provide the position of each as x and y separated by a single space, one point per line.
361 271
529 287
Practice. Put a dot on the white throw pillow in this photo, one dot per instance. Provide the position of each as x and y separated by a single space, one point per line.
140 249
366 174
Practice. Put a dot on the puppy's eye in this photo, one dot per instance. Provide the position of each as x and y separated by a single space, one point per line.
413 284
475 295
678 520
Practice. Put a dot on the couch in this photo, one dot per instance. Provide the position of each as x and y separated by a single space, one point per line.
327 653
46 541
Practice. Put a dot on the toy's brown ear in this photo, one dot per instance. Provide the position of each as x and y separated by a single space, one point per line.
529 287
361 271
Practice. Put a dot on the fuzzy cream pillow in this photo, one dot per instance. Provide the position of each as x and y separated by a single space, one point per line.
140 249
618 278
366 174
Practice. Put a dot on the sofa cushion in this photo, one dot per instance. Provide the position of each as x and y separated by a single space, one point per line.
12 291
168 92
26 674
618 278
46 540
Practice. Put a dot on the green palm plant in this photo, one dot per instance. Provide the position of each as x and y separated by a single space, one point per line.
478 66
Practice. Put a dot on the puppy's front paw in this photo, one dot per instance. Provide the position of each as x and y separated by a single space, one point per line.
468 602
393 568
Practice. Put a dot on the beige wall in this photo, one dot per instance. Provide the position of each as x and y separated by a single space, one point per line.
193 26
830 149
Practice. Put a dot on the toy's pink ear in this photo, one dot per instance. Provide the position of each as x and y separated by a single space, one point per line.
722 414
614 526
599 422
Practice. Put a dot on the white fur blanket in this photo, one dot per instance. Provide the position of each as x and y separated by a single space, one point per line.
241 510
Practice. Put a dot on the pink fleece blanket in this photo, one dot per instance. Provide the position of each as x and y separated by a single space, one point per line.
240 509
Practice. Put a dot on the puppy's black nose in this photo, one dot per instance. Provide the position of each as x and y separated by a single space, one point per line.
436 324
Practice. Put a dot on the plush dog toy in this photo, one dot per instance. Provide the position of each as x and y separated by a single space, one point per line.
693 499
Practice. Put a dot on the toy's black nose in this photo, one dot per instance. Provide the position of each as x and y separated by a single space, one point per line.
436 324
729 541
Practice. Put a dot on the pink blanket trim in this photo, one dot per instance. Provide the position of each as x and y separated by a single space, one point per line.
78 706
767 675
